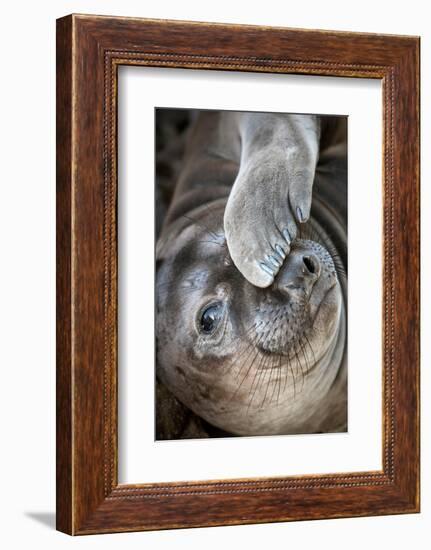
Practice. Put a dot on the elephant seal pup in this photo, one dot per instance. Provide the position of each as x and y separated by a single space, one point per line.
248 358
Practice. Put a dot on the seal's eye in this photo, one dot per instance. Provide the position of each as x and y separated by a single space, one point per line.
210 318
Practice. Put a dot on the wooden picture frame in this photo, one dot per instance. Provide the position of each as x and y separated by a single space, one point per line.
89 51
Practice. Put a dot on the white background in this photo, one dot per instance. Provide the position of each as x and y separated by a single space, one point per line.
141 459
27 125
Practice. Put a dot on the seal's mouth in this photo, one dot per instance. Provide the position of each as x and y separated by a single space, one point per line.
324 300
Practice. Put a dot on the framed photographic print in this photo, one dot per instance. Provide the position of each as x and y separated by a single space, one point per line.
237 274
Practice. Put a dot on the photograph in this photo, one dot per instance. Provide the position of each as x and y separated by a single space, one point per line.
237 273
214 292
251 273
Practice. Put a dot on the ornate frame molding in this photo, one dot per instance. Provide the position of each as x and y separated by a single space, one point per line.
89 498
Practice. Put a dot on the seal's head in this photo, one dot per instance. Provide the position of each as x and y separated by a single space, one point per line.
250 361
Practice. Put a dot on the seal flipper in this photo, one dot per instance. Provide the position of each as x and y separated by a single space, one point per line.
272 192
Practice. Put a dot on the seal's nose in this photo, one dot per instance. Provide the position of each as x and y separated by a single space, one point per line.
300 271
311 264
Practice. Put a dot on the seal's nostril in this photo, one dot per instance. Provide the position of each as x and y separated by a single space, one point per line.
309 264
